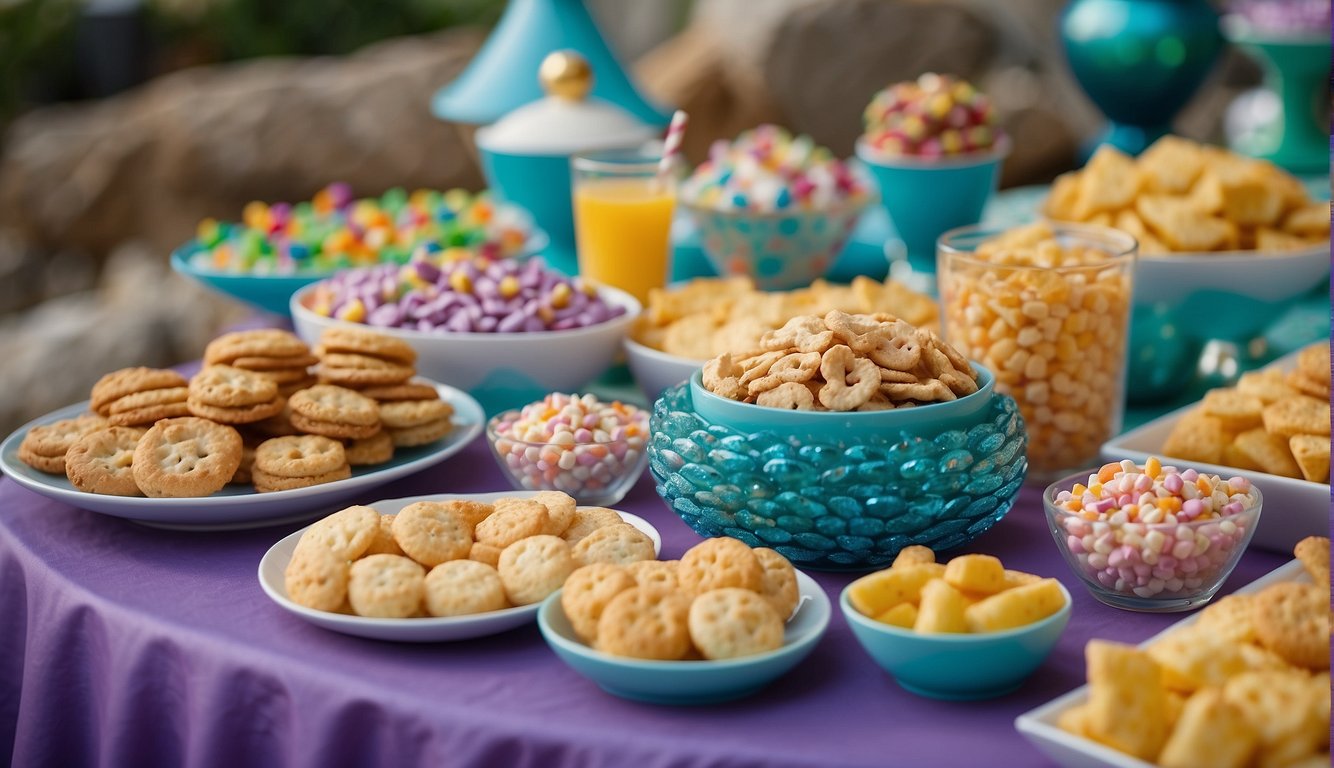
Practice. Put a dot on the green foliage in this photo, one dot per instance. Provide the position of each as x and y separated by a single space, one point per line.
36 44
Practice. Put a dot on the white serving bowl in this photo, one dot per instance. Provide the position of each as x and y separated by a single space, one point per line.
655 370
500 370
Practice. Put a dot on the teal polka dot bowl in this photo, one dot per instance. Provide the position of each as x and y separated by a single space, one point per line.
830 496
778 250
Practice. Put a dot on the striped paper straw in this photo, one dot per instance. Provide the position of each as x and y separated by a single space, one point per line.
671 146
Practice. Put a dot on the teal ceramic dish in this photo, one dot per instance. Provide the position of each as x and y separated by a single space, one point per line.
925 198
958 667
831 491
778 250
690 682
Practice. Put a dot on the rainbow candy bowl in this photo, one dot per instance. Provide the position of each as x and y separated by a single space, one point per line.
838 491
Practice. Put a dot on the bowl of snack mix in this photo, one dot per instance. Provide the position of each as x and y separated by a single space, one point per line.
719 624
1215 229
934 149
277 249
966 629
774 208
839 441
1152 538
684 325
506 331
576 444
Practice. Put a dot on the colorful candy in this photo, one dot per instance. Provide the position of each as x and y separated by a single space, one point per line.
935 116
766 170
1153 530
452 290
334 231
572 443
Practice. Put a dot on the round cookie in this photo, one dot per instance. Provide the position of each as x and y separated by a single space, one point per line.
149 415
348 533
560 508
186 457
730 623
224 386
101 462
242 474
485 553
429 432
336 405
408 390
45 446
268 483
300 456
263 342
401 414
334 429
246 414
620 544
646 623
385 587
1292 620
432 533
779 586
148 398
267 363
316 578
472 511
463 587
533 568
587 592
511 520
718 563
654 573
128 381
384 542
369 451
588 519
365 342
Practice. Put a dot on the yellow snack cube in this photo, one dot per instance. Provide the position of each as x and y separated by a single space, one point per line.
874 594
915 554
1127 706
1197 658
976 573
1016 607
942 609
1209 732
1019 578
902 615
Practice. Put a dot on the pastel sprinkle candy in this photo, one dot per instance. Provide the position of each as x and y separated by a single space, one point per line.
931 117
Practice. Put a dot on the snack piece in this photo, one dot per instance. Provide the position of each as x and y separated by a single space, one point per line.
1015 607
1229 618
369 451
147 407
348 533
354 370
267 483
1108 182
876 593
646 623
367 343
268 343
334 412
385 587
1237 411
1127 706
619 544
718 563
1197 437
299 456
511 520
981 574
942 608
1280 707
100 462
913 554
1195 659
780 581
1268 451
44 447
223 386
655 573
1210 731
589 519
1312 456
587 592
729 623
432 533
463 587
1292 620
1297 416
1313 551
128 381
535 567
902 615
485 553
186 457
560 510
383 542
316 578
411 437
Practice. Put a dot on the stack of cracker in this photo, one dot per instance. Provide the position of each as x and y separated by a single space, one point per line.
1179 196
1272 422
140 396
299 461
276 355
230 395
1246 685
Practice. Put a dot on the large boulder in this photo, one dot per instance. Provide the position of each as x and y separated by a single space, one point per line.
151 163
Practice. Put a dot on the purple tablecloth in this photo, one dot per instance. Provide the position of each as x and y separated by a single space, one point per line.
125 645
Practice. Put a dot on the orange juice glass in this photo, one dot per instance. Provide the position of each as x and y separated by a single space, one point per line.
623 220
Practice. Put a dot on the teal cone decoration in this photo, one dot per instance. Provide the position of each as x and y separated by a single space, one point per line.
1140 61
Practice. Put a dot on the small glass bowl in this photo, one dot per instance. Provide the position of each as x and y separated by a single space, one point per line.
1171 581
595 474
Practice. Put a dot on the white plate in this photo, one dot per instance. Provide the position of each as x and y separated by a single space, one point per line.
1039 725
422 630
1293 509
240 506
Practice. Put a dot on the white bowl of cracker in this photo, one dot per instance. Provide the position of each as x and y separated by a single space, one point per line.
719 624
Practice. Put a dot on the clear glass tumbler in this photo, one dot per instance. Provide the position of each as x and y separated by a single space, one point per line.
1047 309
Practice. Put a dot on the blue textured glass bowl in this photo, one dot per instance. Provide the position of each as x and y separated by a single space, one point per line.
846 501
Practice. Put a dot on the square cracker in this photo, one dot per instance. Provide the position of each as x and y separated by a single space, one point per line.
1063 198
1127 705
1268 451
1308 221
1267 385
1268 240
1183 226
1297 416
1171 165
1109 182
1210 731
1236 410
1312 456
1197 437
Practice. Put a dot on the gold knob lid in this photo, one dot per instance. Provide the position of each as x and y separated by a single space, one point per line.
566 75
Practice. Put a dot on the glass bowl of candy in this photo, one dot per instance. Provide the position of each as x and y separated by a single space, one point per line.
578 444
838 490
1152 538
775 208
507 332
277 249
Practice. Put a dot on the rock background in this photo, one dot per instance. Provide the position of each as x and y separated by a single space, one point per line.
93 196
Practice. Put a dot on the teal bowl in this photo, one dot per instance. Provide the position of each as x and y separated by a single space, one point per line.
690 683
925 198
838 492
539 184
958 667
271 293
